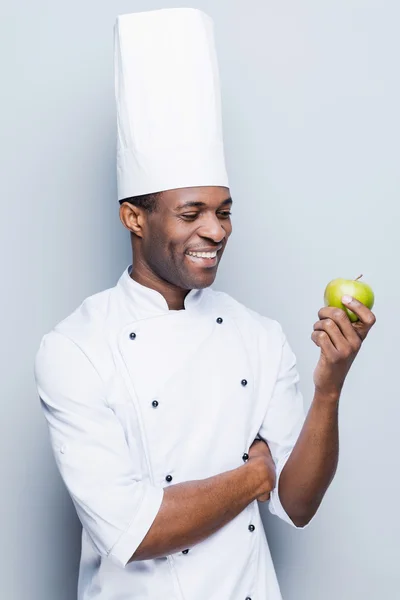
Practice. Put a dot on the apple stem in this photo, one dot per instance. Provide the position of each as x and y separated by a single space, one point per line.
359 277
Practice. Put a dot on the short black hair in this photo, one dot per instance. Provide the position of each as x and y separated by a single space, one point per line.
147 201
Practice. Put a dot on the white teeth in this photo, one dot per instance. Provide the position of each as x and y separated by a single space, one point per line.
203 254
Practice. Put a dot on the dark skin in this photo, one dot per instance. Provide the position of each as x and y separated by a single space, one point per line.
197 219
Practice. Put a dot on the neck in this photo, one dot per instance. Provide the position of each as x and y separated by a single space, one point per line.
174 296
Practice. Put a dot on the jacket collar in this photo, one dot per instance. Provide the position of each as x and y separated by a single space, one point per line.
146 302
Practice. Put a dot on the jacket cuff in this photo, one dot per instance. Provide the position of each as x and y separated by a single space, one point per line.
131 539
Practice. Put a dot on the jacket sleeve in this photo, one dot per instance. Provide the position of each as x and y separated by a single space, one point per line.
283 421
114 504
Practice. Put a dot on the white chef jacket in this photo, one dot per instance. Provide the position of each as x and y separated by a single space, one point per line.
138 397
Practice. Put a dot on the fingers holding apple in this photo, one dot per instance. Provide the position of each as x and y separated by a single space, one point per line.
336 322
343 325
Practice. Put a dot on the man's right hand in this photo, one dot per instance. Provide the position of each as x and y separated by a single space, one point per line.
261 459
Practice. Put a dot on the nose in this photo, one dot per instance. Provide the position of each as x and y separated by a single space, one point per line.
212 229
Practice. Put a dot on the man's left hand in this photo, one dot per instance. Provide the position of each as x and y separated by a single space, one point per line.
340 341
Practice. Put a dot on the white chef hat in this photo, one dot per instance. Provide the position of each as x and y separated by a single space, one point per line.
168 102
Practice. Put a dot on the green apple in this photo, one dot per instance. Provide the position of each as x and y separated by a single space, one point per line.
351 287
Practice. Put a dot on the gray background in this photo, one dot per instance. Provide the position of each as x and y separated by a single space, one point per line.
311 100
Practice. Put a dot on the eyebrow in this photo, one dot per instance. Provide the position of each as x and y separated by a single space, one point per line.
198 204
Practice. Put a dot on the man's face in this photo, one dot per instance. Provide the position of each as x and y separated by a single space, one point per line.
187 223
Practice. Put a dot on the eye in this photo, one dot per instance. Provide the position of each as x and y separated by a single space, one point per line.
188 216
225 214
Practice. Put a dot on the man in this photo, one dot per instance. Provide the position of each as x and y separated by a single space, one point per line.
172 408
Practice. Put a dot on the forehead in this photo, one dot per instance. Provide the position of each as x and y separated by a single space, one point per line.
206 196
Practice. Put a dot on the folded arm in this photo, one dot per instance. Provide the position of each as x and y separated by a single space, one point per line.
128 518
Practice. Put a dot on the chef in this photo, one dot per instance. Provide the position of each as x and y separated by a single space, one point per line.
173 410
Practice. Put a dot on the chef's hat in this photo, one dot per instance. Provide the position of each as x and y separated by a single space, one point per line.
168 102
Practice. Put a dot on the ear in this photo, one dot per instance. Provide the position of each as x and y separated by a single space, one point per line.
132 217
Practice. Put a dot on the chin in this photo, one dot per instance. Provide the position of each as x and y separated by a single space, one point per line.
203 282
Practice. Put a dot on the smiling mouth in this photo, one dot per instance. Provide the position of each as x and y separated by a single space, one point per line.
203 254
205 260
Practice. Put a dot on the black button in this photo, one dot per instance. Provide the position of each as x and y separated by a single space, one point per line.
168 478
245 456
244 382
219 320
248 598
185 551
132 335
154 403
251 528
